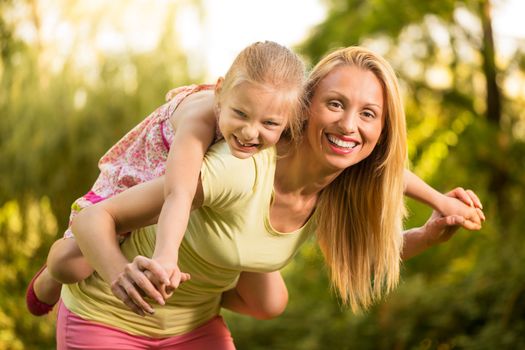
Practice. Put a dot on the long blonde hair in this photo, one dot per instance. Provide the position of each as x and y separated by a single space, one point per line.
271 66
360 213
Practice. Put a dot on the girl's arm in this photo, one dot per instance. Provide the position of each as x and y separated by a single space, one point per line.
465 203
440 228
195 123
95 228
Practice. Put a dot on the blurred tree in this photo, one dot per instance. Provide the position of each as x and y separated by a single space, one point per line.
64 102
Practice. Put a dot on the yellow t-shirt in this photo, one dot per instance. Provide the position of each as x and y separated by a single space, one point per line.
229 234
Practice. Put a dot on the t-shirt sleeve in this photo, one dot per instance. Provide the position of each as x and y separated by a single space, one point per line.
226 179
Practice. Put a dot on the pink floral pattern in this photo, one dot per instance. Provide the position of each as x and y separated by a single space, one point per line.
139 156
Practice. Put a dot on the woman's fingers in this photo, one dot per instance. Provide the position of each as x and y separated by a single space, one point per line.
123 290
144 277
159 291
140 273
441 228
140 280
130 287
471 225
474 220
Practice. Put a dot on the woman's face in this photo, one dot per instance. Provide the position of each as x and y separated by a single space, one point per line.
346 117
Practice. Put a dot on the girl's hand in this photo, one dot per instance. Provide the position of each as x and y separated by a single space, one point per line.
175 275
464 203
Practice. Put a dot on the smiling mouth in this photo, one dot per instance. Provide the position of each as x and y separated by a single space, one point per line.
245 145
340 143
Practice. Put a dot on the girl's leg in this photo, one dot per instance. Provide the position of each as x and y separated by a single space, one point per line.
260 295
48 293
65 264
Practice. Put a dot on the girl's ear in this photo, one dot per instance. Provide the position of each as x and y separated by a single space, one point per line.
218 86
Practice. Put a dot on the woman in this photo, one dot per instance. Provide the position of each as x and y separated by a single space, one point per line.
342 180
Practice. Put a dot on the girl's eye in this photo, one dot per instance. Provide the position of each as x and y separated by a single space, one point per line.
271 123
239 113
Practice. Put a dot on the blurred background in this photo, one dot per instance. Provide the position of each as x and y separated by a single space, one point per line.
76 75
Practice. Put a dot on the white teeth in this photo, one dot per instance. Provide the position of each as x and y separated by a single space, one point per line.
246 144
341 143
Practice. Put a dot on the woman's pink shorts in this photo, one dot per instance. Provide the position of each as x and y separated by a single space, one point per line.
74 332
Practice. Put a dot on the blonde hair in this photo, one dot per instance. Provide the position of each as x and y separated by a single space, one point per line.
360 213
271 66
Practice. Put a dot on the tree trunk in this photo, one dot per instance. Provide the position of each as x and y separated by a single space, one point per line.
489 64
499 177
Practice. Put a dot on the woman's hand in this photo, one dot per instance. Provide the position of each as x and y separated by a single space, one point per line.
142 277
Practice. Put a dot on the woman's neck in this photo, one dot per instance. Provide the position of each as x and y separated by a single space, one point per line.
297 172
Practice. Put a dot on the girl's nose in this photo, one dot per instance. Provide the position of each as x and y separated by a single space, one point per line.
249 133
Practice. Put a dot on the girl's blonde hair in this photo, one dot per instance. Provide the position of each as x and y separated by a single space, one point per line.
360 213
272 67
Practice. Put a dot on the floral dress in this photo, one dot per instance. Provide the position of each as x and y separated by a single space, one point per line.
139 156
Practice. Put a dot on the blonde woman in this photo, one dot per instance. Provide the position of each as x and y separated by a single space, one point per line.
343 181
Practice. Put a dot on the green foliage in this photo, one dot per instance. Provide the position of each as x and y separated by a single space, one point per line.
26 230
58 118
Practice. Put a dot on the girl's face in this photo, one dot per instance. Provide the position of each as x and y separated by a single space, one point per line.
346 117
251 118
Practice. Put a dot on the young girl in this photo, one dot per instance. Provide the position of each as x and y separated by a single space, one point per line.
257 99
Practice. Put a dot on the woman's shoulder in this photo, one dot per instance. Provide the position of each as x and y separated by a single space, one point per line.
231 178
219 154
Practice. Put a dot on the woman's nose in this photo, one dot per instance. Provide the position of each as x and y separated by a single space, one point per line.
348 123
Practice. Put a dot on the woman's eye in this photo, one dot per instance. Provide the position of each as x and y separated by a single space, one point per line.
271 123
335 104
369 114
